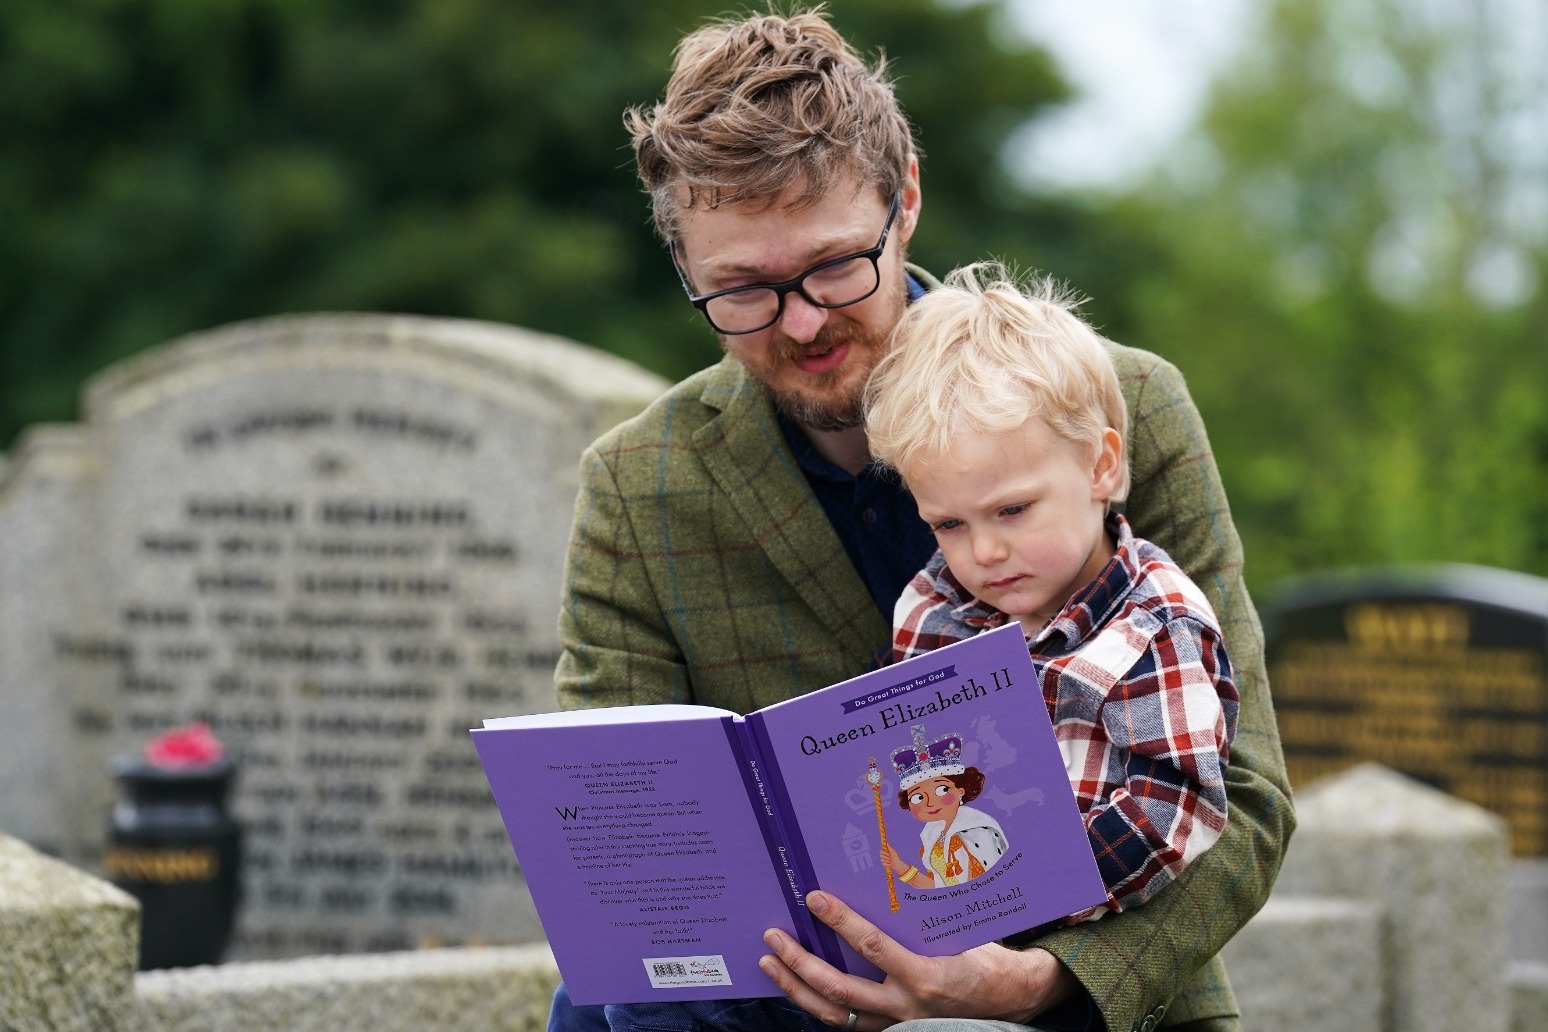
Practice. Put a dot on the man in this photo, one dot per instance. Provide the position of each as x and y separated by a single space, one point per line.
733 547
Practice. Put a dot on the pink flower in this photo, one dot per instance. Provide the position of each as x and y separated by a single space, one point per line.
191 746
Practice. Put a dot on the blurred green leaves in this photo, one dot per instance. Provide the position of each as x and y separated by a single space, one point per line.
170 165
1339 287
1346 262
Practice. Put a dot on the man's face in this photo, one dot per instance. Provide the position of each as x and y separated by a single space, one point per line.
814 361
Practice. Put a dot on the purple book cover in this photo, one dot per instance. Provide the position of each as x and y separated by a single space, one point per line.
987 816
659 842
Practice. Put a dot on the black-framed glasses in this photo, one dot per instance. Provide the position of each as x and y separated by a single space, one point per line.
834 283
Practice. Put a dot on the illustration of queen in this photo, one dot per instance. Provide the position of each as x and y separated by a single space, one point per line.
958 843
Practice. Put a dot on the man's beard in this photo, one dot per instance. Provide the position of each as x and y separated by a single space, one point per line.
818 416
816 408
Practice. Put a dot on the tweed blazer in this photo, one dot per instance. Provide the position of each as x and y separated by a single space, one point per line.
702 569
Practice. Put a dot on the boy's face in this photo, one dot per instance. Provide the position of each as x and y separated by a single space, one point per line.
1019 514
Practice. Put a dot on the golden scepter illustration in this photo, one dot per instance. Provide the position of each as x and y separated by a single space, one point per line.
874 776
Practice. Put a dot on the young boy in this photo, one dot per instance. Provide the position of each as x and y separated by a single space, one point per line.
1002 412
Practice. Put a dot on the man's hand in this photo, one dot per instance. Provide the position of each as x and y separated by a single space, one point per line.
987 982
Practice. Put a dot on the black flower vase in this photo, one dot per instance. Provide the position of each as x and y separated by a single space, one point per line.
174 847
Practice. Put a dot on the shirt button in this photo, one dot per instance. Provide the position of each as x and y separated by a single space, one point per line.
867 515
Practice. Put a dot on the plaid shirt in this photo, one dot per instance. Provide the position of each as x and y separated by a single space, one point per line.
1140 693
701 569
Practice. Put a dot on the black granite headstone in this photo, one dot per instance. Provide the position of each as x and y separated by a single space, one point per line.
1440 672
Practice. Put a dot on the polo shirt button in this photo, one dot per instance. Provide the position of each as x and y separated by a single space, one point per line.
868 515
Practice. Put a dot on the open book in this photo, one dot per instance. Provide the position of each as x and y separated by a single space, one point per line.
659 842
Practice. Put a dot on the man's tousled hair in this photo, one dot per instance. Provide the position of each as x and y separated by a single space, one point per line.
760 104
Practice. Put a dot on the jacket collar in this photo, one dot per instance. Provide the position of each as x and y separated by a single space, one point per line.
746 455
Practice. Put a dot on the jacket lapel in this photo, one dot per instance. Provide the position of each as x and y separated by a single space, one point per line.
746 454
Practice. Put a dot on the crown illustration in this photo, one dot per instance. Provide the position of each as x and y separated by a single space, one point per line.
921 761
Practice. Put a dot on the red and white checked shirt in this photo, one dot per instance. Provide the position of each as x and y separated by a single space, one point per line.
1139 689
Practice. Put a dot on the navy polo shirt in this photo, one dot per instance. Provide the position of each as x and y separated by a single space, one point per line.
872 513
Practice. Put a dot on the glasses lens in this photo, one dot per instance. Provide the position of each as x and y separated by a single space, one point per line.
743 310
842 283
833 285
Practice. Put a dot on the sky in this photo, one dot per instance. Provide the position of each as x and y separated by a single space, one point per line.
1139 68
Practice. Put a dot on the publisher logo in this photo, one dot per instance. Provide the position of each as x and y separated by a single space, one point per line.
678 972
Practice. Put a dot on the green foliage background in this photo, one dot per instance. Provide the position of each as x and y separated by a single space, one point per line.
167 166
1350 265
170 165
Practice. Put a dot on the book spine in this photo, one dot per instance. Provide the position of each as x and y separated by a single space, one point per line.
796 863
776 839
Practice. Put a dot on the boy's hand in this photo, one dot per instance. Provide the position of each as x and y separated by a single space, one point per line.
987 982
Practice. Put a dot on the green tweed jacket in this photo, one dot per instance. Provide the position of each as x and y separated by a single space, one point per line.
702 569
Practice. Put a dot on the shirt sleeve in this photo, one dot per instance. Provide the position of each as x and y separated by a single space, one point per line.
1173 716
1134 961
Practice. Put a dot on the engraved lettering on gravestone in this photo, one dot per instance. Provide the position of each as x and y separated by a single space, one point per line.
338 540
1449 686
319 637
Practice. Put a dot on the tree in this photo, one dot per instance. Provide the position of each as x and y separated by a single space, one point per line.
168 166
1349 268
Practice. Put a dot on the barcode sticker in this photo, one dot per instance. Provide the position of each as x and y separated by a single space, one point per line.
677 972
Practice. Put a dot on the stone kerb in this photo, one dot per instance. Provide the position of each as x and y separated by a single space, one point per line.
1309 963
67 945
339 540
448 990
1529 997
1436 866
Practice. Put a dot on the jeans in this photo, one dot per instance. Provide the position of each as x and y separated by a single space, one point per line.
762 1015
771 1014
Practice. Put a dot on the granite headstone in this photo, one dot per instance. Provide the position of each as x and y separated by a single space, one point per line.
1436 867
1439 672
336 539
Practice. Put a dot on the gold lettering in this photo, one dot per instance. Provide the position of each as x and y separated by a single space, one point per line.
1399 628
1409 692
163 866
1516 740
1487 679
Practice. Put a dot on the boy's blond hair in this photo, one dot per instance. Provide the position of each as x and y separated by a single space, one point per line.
757 105
981 353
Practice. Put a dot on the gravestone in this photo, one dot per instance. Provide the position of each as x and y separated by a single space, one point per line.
1436 867
1439 672
339 541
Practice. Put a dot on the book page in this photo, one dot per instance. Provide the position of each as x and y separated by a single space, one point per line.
647 865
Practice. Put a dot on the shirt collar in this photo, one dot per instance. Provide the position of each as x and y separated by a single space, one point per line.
1086 610
1090 607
